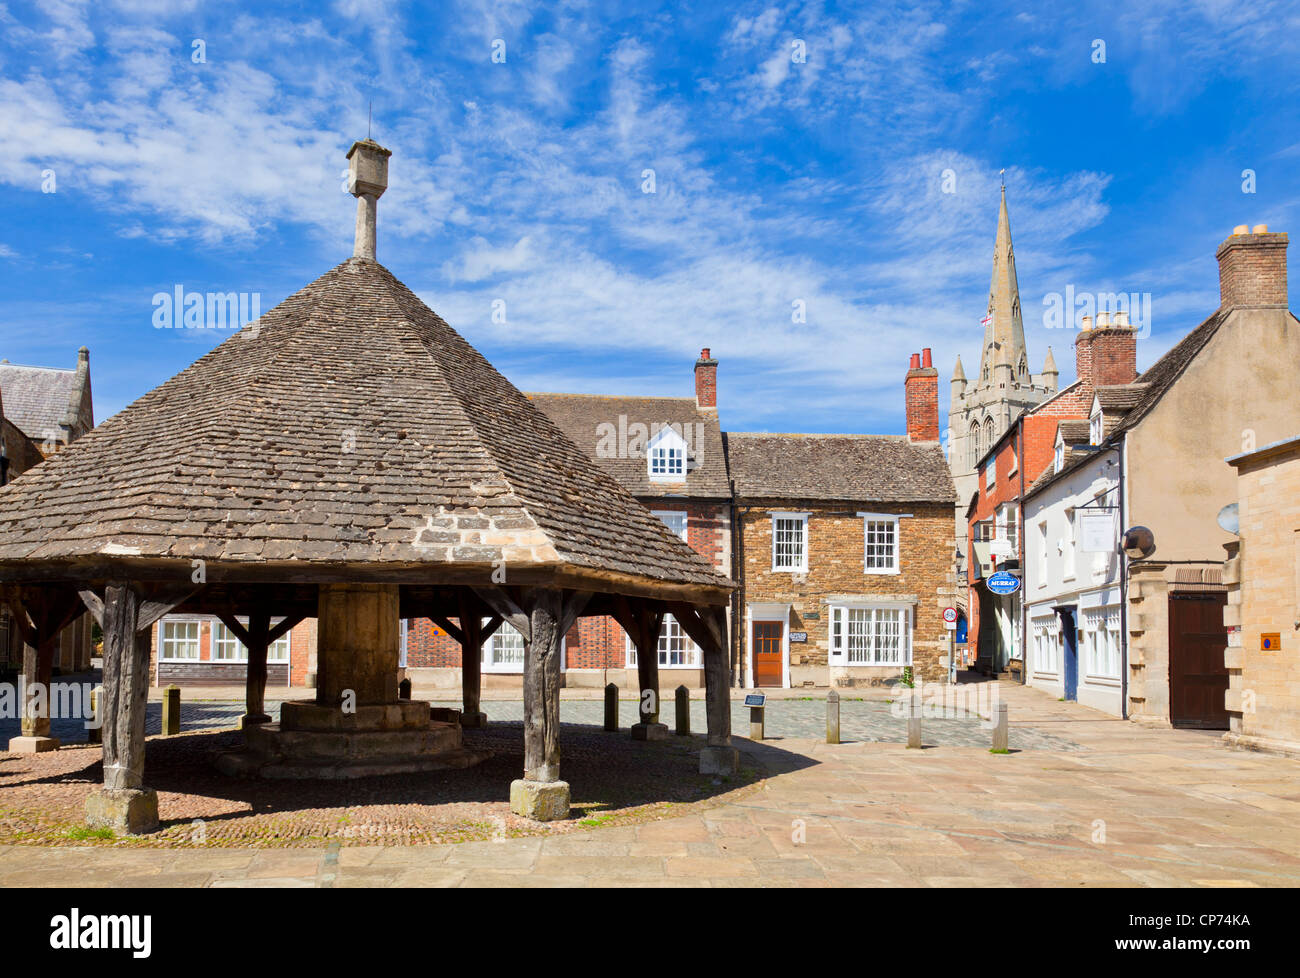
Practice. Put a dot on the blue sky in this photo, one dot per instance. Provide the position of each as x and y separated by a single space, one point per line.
776 181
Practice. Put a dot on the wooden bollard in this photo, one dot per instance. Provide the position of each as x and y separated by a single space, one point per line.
756 722
95 735
404 690
611 707
1000 741
171 718
914 723
832 717
683 711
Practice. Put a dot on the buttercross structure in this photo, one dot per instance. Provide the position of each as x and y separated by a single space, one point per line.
984 407
348 457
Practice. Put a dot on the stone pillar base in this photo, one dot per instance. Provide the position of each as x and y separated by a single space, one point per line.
650 731
473 720
32 745
127 811
719 760
542 801
252 719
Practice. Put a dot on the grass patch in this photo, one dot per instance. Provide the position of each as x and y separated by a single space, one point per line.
82 833
998 750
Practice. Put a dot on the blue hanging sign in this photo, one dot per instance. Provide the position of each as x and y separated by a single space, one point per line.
1004 583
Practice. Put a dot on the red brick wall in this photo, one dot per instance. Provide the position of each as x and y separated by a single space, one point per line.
1105 356
706 380
922 394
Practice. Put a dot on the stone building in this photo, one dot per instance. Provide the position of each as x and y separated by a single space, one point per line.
42 411
1229 382
842 550
983 408
1262 578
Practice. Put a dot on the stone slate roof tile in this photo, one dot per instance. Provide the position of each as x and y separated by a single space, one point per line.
1120 397
850 468
1074 431
604 427
350 423
1162 374
37 399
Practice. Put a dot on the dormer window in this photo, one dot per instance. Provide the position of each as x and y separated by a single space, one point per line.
666 457
1095 429
1058 459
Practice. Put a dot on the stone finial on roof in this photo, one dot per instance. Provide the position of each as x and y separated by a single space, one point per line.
367 181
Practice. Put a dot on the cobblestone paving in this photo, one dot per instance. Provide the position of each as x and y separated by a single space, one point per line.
865 721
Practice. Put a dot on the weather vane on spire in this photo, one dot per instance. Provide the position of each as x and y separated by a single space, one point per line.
1002 175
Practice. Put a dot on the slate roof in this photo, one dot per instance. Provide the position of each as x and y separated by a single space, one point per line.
1074 430
40 400
851 468
603 427
349 424
1120 397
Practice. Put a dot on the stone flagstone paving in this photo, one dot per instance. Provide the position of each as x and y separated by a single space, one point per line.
1124 806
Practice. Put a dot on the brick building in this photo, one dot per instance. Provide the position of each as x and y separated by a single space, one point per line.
199 650
1262 579
843 550
1105 361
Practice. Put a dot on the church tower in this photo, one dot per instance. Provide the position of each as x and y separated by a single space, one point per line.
983 407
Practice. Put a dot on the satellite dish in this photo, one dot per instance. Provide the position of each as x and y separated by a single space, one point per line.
1228 519
1139 542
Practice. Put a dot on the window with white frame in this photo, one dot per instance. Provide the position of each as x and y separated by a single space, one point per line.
504 650
178 640
676 650
991 471
1058 457
666 456
227 648
1013 464
677 522
871 635
1101 635
1095 428
881 543
1046 632
1009 526
790 542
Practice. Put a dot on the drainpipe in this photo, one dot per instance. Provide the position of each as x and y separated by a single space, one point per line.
1121 451
737 596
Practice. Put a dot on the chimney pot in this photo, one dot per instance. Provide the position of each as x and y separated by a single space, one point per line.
915 362
706 381
921 397
925 357
1260 229
1087 323
1121 319
1241 229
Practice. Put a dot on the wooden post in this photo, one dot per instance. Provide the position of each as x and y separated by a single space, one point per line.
38 614
540 794
471 634
171 711
756 722
832 717
683 696
95 731
611 707
719 757
648 621
124 804
259 628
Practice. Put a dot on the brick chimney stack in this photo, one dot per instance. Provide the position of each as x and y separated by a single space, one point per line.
1252 269
921 388
706 381
1105 353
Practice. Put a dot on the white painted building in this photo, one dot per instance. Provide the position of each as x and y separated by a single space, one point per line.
1076 642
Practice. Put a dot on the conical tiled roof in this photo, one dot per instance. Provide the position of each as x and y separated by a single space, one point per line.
350 424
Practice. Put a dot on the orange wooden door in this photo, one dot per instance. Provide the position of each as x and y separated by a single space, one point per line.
767 652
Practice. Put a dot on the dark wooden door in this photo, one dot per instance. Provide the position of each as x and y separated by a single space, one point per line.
1198 678
767 653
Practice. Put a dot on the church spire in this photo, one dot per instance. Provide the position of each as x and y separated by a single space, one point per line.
1003 359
